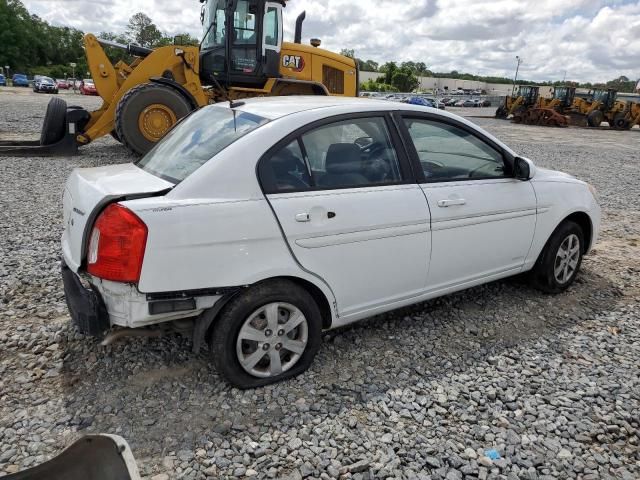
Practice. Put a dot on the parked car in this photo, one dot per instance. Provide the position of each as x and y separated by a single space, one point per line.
19 80
464 103
87 87
486 103
3 81
62 84
266 223
426 102
44 84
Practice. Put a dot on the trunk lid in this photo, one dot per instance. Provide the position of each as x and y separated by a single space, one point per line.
89 190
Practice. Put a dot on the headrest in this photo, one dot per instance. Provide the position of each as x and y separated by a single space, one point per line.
343 158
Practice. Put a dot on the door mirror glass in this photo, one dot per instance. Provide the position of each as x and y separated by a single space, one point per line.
522 170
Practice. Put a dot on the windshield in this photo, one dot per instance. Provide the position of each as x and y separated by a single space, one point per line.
46 80
200 137
213 24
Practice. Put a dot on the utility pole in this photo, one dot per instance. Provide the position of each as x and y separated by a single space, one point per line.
515 79
565 77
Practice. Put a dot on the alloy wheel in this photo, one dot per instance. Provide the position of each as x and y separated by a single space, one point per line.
567 259
272 340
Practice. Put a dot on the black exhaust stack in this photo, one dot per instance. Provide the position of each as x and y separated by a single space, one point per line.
298 34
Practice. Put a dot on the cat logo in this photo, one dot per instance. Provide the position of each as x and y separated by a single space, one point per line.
294 62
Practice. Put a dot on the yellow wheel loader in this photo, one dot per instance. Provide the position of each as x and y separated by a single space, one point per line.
626 117
242 55
529 108
513 107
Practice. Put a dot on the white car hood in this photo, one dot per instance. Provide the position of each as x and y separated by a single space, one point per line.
546 175
89 190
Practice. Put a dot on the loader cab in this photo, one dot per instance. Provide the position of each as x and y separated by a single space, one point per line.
565 95
529 94
605 98
242 41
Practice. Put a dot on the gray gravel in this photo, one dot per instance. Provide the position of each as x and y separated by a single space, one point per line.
495 382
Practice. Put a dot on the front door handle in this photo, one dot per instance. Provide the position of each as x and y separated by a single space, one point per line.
303 217
452 202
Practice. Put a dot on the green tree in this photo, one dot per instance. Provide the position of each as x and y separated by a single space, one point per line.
348 52
142 31
404 80
116 54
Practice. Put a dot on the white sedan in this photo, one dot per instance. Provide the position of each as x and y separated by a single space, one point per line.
266 222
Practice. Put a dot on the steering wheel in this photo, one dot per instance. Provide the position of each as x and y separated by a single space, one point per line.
373 148
472 172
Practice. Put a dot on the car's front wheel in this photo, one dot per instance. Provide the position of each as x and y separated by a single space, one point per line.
559 263
268 333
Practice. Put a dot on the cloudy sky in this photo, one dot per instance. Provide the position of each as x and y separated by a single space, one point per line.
586 40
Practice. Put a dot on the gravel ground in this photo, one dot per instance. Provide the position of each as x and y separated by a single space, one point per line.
549 382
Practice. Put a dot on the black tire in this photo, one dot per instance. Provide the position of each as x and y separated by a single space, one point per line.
595 118
620 122
133 103
225 332
115 136
55 122
543 275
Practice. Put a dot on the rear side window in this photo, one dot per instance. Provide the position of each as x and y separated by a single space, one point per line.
345 154
196 140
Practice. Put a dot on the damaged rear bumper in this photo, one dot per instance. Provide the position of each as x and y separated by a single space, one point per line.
86 306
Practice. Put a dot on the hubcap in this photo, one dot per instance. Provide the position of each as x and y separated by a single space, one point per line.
272 340
156 120
567 259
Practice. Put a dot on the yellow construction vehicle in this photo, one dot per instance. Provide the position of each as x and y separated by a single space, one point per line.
242 55
591 111
516 104
627 117
528 107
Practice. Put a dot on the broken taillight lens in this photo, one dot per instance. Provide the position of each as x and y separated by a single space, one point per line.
116 245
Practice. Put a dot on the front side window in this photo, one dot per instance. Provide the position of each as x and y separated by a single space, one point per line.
449 153
197 140
345 154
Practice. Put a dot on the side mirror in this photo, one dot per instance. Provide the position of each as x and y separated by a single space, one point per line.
521 169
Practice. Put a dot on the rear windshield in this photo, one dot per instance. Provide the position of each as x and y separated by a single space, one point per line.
200 137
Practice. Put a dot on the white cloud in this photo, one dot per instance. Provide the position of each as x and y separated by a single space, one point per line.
594 40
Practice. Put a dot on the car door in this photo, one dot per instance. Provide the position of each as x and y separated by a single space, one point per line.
350 210
482 219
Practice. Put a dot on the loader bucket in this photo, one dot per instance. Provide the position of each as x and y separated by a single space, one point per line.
94 457
58 137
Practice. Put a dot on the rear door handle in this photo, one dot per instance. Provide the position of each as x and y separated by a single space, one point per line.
303 217
452 202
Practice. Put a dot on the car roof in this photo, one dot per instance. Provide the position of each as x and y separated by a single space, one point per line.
273 108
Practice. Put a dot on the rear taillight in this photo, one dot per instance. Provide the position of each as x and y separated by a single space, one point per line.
116 245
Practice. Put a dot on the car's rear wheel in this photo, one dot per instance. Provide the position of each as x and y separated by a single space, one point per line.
559 263
270 332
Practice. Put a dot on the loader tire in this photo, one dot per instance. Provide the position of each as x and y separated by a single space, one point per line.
55 122
620 122
146 113
595 118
